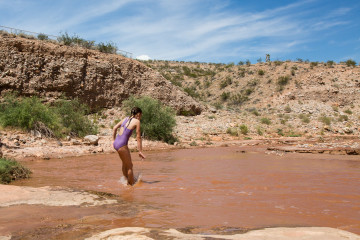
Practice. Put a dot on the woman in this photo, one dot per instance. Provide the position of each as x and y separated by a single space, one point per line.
127 125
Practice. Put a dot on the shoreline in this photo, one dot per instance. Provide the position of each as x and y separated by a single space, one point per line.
43 148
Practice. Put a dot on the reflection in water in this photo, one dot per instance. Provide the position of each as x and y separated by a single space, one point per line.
221 187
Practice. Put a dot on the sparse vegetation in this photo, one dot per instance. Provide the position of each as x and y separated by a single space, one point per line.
348 111
287 109
350 63
107 47
282 81
11 170
42 36
266 121
330 63
244 129
313 64
343 118
325 120
304 118
261 72
225 96
226 82
232 131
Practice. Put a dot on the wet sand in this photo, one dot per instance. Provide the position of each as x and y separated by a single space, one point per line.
198 190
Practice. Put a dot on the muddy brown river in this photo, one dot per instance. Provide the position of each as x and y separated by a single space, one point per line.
204 190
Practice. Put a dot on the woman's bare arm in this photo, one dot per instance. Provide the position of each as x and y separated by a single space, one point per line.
139 140
115 128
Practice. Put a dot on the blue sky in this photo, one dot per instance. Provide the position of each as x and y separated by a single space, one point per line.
201 30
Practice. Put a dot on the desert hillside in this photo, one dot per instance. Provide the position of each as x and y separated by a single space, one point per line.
52 70
236 102
283 97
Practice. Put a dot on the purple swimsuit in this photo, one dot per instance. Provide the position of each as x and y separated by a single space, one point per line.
122 140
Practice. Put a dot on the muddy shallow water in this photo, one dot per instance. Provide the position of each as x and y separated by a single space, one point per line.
203 188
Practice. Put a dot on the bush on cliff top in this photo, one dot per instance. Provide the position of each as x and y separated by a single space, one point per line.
11 170
157 122
29 113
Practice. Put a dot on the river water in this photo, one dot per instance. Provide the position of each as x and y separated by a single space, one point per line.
212 188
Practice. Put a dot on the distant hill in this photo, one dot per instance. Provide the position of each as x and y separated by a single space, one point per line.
304 97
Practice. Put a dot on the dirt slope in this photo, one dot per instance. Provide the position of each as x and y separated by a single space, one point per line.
50 70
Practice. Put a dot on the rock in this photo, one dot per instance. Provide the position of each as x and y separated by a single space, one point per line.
75 142
213 110
15 137
348 130
91 139
327 128
35 133
59 143
68 138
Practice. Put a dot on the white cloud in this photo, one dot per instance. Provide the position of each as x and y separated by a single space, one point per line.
143 57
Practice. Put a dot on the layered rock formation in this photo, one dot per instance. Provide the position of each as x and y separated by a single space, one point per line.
45 69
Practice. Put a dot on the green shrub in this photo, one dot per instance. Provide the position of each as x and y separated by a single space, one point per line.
65 39
106 47
225 82
255 112
157 122
280 132
292 72
287 109
244 129
11 170
42 36
304 118
265 121
73 117
350 63
225 96
283 80
241 63
253 82
26 113
259 131
278 63
324 119
248 63
66 117
348 111
313 64
343 118
238 99
261 72
330 63
232 131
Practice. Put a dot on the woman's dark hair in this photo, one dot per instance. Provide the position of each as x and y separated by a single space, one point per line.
135 110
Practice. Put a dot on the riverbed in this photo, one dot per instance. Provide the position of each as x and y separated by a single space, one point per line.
204 190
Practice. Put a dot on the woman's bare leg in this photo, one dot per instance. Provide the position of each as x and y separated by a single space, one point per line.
127 168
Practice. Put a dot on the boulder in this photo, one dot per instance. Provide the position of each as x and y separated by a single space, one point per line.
91 140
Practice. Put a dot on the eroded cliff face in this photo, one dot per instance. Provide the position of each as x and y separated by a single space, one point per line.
45 69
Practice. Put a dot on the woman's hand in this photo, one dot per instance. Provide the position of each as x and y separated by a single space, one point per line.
141 155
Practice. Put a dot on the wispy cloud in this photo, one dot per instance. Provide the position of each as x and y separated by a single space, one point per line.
203 30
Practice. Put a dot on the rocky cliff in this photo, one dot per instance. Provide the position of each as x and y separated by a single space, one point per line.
50 70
